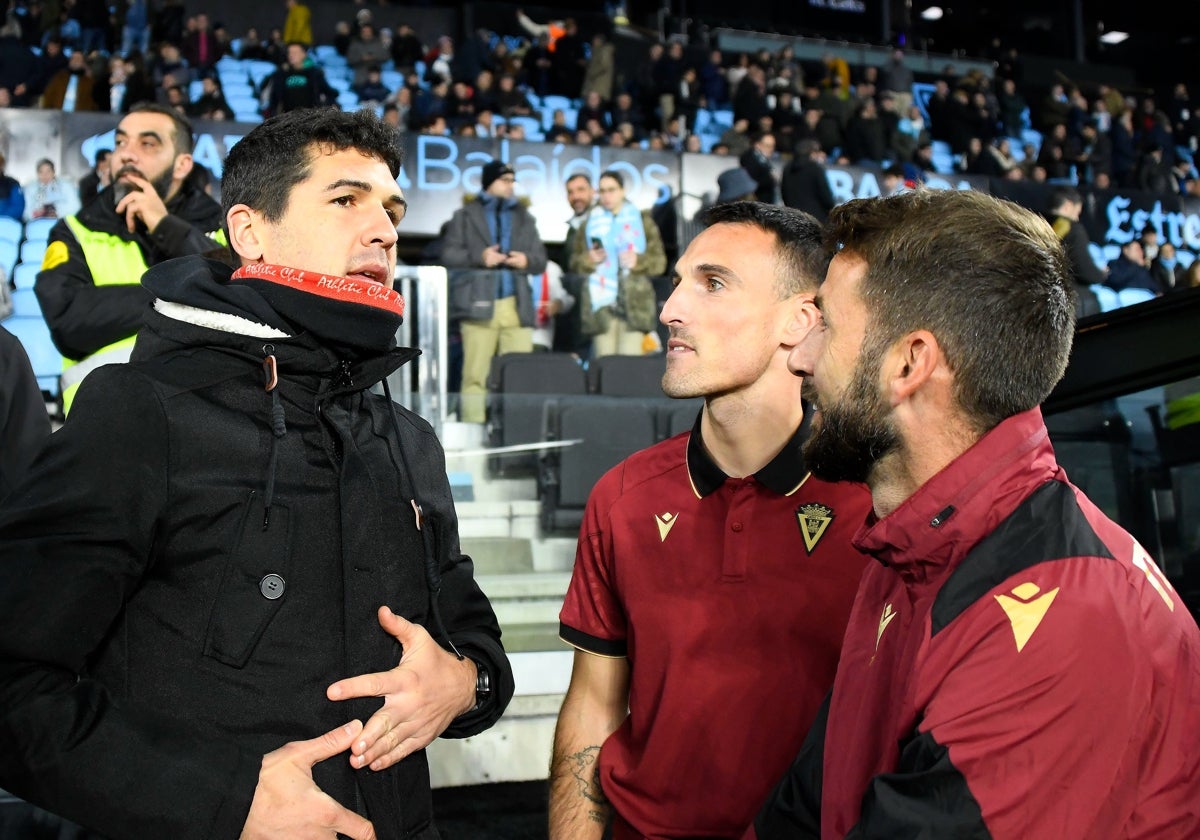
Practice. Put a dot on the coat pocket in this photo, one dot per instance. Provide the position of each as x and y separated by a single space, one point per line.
253 587
472 294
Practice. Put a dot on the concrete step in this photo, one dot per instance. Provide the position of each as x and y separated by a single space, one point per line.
498 555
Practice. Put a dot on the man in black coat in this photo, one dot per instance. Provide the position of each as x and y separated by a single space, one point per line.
757 161
1066 205
805 186
249 553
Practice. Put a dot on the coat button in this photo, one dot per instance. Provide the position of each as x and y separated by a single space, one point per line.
271 587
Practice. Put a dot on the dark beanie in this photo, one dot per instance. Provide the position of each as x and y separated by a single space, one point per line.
492 170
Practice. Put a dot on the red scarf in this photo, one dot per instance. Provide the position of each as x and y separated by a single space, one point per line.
344 289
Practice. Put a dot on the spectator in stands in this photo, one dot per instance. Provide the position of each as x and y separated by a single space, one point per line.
21 71
511 99
551 302
866 141
168 23
897 78
713 84
485 93
24 422
177 700
366 51
1124 150
891 180
1066 206
1012 105
804 184
211 104
169 67
569 60
494 240
1129 271
439 63
124 87
649 669
1166 270
620 250
135 27
201 49
12 198
460 106
176 98
70 89
372 91
406 48
252 47
98 178
1154 172
47 196
624 111
1003 621
735 184
601 69
88 287
297 26
299 84
757 161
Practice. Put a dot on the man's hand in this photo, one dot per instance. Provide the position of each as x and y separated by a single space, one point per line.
517 259
422 695
287 803
628 259
493 256
142 203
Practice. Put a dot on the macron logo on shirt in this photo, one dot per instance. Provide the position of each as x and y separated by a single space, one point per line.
665 522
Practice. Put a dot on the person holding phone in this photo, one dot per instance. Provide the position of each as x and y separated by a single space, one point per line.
620 251
494 242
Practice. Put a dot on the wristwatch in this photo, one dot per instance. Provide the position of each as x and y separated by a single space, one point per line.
483 684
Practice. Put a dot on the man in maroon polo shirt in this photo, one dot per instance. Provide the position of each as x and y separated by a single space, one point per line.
714 576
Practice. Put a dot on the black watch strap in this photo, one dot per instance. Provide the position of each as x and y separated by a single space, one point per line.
483 683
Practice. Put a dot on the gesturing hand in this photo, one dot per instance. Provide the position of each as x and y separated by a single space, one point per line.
421 696
142 203
288 805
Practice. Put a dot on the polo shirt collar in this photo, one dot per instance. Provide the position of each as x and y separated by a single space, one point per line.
783 475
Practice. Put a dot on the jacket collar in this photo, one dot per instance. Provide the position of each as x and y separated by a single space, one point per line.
938 524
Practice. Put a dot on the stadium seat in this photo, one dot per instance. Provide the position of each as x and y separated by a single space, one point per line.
1107 297
195 89
10 251
518 386
238 89
34 336
39 229
1131 297
552 102
25 274
348 99
258 71
32 250
11 228
627 376
25 304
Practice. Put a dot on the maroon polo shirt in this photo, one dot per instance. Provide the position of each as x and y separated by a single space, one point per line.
729 596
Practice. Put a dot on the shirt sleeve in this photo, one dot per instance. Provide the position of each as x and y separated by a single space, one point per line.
592 617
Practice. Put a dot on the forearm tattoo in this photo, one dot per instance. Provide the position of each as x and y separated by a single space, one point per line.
585 769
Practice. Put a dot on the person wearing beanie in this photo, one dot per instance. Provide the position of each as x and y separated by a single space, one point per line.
490 246
260 614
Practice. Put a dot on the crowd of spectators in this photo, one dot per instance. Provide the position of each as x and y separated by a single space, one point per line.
497 84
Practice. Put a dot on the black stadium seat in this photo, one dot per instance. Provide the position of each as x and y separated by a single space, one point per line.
518 386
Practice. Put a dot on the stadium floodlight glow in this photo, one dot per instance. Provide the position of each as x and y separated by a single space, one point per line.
1114 37
932 13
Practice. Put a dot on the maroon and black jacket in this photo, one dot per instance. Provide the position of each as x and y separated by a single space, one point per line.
1015 666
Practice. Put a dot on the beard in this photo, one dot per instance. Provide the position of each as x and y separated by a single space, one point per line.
855 432
161 184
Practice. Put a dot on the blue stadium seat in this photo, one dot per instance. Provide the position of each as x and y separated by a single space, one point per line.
34 336
32 250
392 78
1107 297
258 70
25 304
552 102
1130 297
348 99
195 89
25 274
236 89
39 229
10 251
11 228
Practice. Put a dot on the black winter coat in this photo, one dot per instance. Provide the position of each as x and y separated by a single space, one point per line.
144 671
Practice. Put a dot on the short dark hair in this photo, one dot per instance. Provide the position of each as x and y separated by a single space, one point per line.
988 278
802 260
181 129
615 175
263 166
1062 194
577 175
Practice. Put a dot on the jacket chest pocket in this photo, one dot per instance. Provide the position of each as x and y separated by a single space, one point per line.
253 586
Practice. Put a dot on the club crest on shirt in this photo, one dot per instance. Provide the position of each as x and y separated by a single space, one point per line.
813 520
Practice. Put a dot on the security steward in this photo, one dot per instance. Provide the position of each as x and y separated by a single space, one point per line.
89 287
